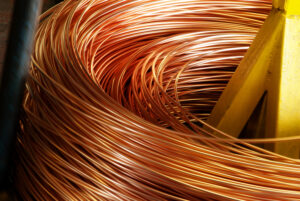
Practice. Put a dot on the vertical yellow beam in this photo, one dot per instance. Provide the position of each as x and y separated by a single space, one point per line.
247 85
271 65
291 7
288 123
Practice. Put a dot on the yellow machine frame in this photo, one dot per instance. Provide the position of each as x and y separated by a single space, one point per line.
270 69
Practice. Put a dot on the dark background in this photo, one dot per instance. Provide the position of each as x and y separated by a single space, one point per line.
6 8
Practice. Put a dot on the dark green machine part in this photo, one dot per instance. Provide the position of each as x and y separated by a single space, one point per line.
25 18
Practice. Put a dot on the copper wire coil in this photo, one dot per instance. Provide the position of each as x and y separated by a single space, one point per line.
117 96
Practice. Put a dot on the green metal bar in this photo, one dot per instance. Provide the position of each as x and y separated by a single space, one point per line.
16 64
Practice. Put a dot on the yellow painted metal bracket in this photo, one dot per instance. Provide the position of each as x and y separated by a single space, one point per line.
272 67
290 7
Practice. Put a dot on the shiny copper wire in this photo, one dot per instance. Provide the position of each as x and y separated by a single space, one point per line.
117 96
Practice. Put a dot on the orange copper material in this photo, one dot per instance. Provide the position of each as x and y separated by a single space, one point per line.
117 96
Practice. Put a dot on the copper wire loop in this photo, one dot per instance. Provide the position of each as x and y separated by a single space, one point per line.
117 97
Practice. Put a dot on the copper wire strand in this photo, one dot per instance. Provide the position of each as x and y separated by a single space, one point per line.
118 93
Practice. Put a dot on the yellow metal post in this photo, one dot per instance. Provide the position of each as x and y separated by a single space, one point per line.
271 66
290 7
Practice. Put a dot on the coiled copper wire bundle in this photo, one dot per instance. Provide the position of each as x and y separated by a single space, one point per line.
117 96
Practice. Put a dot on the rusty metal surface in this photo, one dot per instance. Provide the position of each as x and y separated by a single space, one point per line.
6 7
